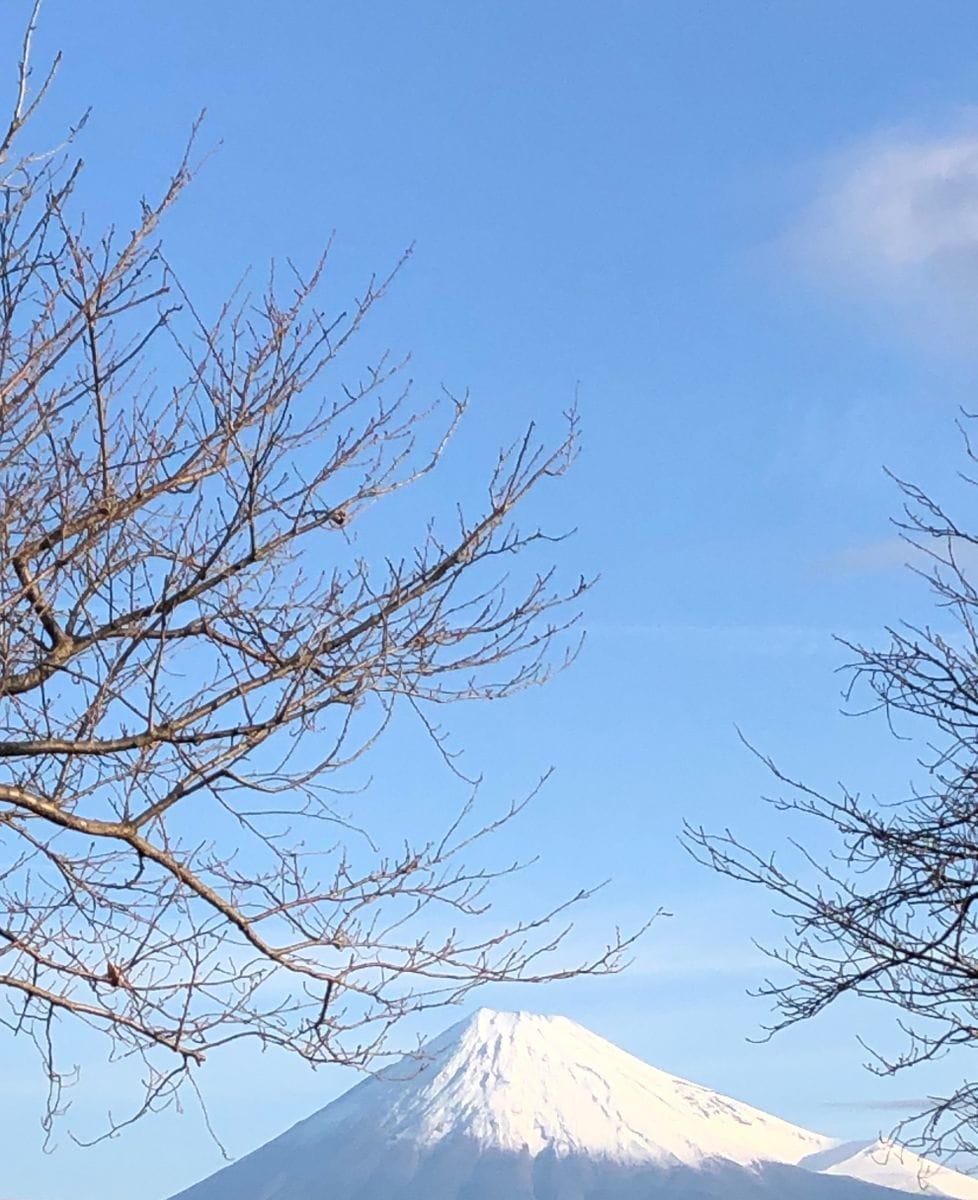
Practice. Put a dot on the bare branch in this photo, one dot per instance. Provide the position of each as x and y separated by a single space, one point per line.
888 913
194 650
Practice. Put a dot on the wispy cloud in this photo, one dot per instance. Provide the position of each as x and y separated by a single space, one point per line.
899 554
887 554
897 216
911 1104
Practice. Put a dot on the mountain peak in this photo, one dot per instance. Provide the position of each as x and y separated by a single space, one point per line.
518 1106
522 1082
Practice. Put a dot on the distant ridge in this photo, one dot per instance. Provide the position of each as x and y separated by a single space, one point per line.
516 1106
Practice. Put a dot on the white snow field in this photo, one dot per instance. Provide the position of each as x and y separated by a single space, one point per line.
515 1106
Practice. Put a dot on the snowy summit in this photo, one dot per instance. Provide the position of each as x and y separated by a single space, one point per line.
522 1082
515 1106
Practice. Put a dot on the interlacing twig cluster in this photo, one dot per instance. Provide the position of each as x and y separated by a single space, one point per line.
882 902
192 649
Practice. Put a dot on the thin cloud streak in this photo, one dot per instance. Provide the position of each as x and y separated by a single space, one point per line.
913 1104
774 640
900 554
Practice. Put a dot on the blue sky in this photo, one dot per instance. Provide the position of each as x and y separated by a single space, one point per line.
746 235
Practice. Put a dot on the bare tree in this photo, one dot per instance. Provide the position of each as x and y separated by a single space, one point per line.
890 911
192 649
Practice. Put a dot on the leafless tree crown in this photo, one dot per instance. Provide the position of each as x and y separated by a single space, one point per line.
890 912
191 650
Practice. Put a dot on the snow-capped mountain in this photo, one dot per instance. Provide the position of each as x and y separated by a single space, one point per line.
515 1106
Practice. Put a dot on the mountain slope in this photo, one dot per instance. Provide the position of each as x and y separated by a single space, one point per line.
507 1106
892 1166
515 1081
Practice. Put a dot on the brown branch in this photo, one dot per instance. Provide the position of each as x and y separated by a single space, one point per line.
195 656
